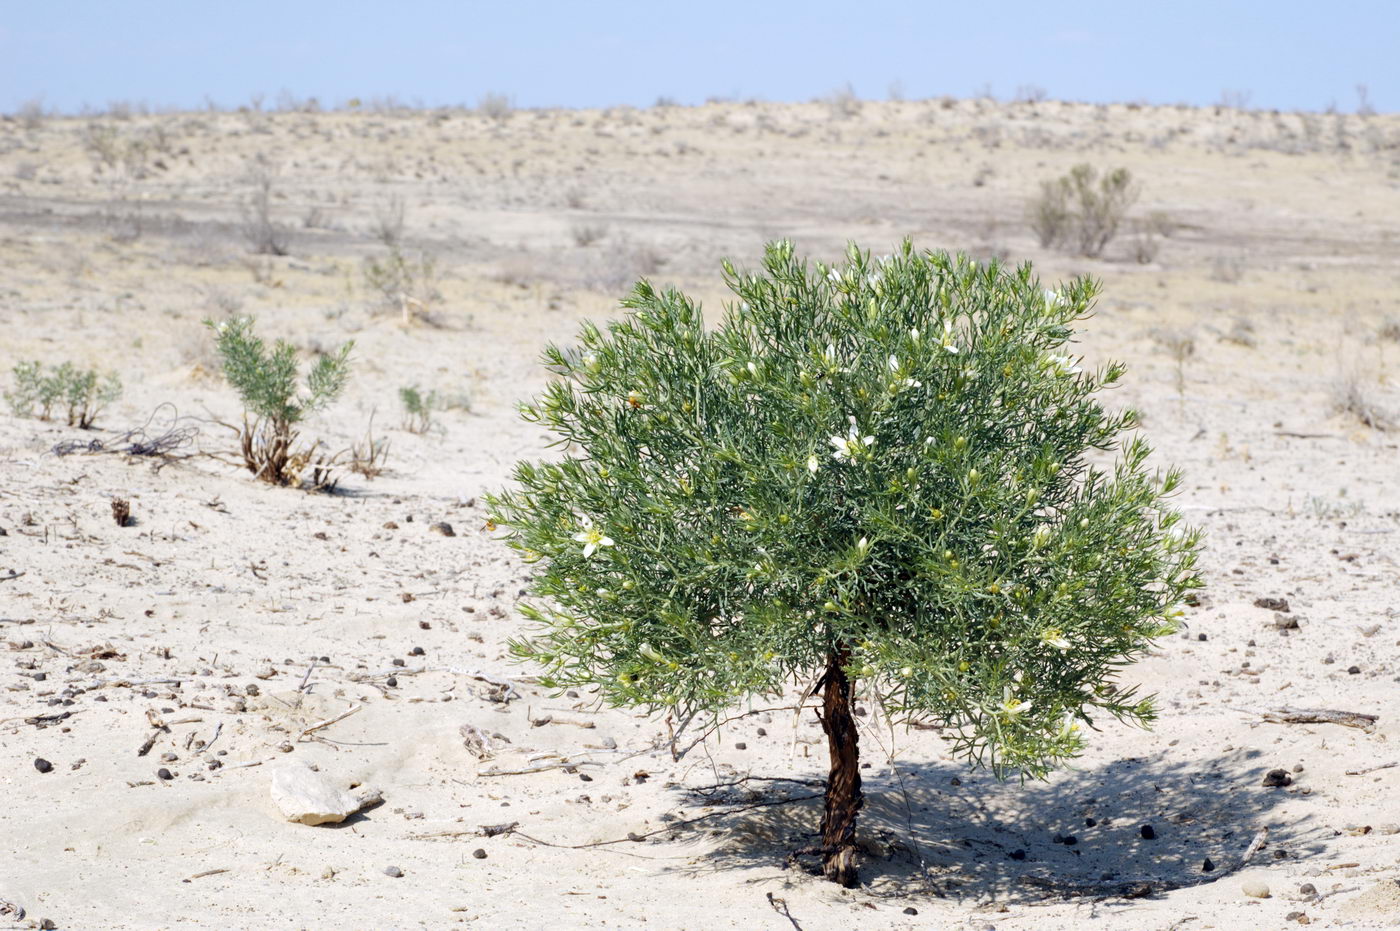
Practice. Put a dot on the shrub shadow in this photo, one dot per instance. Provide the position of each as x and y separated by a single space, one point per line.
1131 828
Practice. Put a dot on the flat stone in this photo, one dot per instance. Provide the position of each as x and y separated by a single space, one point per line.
305 796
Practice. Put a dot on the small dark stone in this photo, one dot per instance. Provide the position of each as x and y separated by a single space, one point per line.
1017 855
1207 865
1307 889
42 765
761 732
911 910
392 682
47 924
1297 767
443 528
1280 854
393 871
571 693
164 774
397 661
1090 822
390 525
416 651
584 777
1070 840
1201 637
1276 779
1148 832
424 625
1251 643
1351 671
479 853
741 746
955 781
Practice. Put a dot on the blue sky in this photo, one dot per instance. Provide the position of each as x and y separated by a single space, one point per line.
1287 54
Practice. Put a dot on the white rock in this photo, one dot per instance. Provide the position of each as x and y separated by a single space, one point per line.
1254 889
309 797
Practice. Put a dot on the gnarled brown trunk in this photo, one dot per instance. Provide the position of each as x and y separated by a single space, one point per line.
843 795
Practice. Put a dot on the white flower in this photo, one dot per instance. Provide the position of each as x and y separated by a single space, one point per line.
894 363
591 537
1055 299
914 334
864 544
947 340
1063 365
813 464
1040 537
850 446
1010 707
1054 637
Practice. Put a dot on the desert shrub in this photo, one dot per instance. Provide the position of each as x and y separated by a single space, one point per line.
401 283
1082 211
586 234
266 382
1351 398
884 476
389 222
265 235
417 409
369 456
80 394
495 105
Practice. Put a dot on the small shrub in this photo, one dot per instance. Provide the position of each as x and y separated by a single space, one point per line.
264 234
1350 398
495 105
266 382
881 477
417 409
369 457
389 221
1082 211
402 283
586 234
80 393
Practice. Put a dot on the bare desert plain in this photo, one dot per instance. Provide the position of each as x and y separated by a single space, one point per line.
166 671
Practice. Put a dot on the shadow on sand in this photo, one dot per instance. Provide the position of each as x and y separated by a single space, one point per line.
1132 828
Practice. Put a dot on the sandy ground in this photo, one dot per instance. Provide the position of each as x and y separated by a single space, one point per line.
1274 291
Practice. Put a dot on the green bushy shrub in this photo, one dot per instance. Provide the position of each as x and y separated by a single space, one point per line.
882 475
266 382
1082 211
80 393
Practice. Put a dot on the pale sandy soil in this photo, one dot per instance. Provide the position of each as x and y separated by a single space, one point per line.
118 236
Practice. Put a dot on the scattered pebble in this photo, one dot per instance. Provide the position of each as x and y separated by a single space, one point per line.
164 774
444 528
393 871
911 910
479 853
740 745
1148 832
1255 889
416 651
168 758
1307 889
1277 778
1207 865
42 765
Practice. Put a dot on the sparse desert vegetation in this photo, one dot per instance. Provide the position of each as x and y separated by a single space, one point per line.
168 656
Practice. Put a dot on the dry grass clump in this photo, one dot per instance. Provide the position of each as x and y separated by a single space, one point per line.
1349 397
